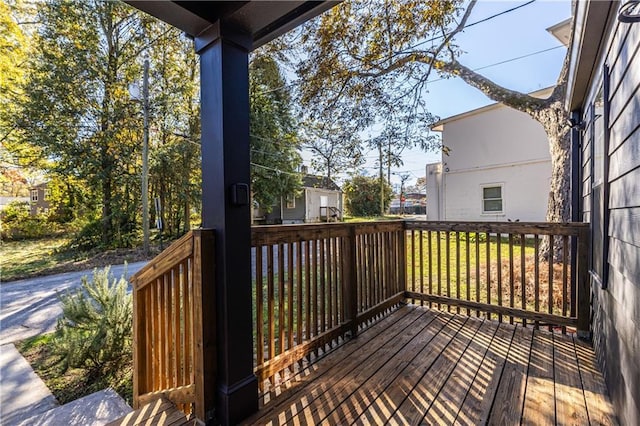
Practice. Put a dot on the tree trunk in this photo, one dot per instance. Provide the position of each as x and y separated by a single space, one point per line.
553 119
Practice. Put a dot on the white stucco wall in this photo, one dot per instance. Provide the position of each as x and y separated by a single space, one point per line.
501 146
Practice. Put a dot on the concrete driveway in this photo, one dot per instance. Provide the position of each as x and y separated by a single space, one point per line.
31 306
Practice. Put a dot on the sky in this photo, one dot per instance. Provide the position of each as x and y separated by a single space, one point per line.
506 37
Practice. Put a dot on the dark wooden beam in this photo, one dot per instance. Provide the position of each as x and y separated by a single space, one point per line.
224 52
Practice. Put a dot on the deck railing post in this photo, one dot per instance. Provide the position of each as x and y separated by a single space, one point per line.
204 323
583 307
402 285
350 285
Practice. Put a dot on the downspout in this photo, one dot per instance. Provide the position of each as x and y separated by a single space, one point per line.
576 196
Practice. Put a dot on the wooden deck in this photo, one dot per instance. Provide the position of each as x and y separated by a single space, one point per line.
424 366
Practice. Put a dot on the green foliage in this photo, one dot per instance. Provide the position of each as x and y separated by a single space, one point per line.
273 136
18 224
174 162
362 195
95 330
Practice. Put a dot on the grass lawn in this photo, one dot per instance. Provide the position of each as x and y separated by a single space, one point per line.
71 384
46 256
29 257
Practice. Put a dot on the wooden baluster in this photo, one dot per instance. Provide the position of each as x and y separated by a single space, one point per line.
499 265
322 293
413 262
488 267
523 276
281 301
550 278
565 276
536 267
309 309
511 277
290 294
259 312
270 307
478 271
335 260
421 260
458 270
430 265
448 266
439 264
314 268
300 299
468 268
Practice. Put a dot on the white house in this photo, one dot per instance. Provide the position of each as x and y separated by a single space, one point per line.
498 167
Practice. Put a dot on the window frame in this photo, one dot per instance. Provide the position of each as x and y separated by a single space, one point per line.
34 196
290 201
483 199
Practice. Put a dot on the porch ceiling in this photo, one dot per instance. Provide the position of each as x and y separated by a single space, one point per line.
264 20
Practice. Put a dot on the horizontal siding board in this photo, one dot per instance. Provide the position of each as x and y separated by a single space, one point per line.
623 129
619 338
625 47
626 92
625 191
627 156
624 225
625 258
626 293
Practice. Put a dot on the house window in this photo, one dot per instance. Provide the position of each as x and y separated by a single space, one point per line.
291 201
492 199
47 194
34 195
324 201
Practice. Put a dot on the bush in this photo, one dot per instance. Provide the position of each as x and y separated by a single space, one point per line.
95 330
362 195
18 224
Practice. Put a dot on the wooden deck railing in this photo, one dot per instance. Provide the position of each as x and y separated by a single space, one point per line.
315 283
172 337
495 269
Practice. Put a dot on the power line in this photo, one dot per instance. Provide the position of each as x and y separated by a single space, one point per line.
488 18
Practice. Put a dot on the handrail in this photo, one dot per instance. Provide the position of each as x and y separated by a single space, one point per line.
172 334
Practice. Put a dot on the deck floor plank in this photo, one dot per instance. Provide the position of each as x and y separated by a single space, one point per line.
451 397
337 391
570 402
539 404
478 400
387 376
426 390
599 408
323 387
441 368
507 401
354 352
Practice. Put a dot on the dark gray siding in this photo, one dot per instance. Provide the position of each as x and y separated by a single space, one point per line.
295 214
616 309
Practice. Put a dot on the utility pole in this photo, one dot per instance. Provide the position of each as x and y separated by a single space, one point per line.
145 157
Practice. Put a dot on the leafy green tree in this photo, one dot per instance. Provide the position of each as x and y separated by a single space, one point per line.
362 195
275 156
175 121
379 54
77 110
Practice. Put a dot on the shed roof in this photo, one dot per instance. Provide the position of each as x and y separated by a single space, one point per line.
312 181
